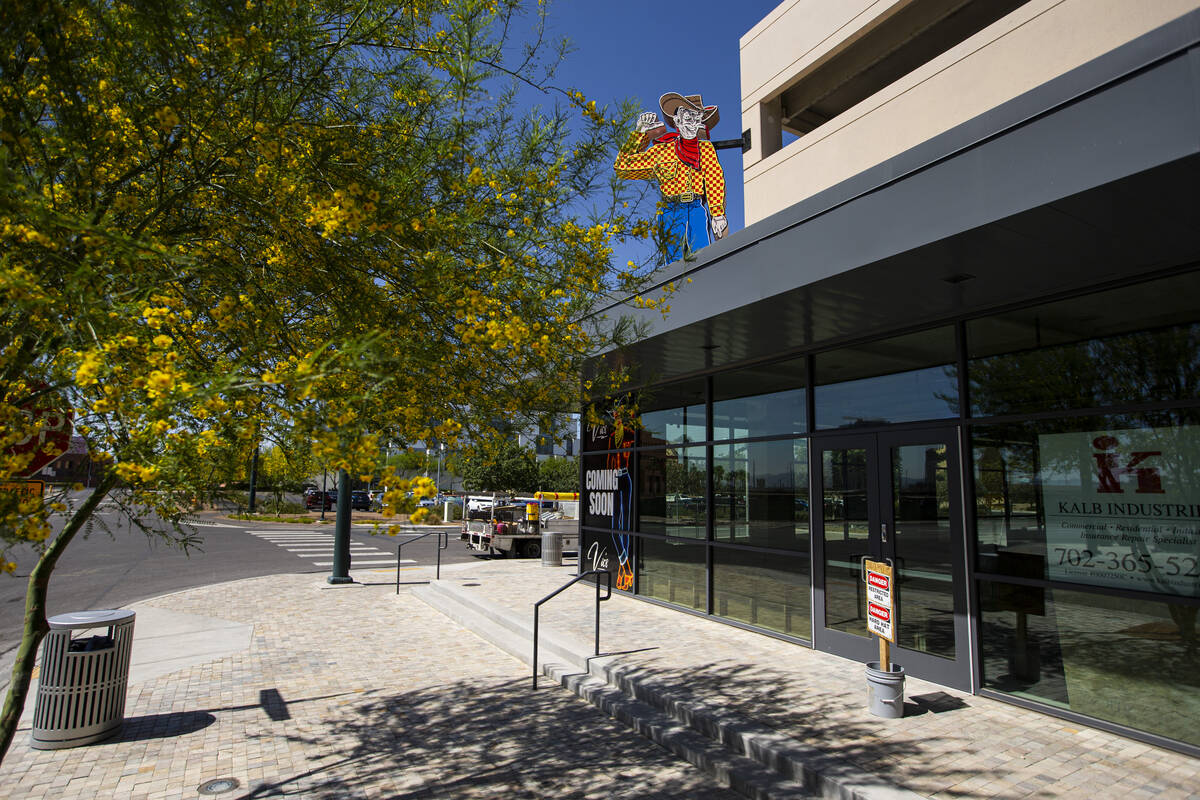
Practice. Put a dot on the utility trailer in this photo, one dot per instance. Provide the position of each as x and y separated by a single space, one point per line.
516 529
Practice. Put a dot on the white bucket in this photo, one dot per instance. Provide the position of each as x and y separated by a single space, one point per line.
885 691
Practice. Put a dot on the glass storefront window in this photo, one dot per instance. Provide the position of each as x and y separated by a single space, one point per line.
921 513
763 589
673 571
845 475
1130 662
673 414
1089 352
673 485
770 400
760 494
1101 501
903 379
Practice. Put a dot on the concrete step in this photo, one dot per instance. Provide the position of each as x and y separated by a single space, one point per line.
502 627
743 775
745 755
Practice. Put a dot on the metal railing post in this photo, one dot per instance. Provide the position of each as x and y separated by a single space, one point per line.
535 642
443 544
538 605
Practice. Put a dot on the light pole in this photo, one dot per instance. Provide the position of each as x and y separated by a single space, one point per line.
341 532
441 453
324 493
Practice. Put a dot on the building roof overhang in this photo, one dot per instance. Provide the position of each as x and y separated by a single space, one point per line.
1087 181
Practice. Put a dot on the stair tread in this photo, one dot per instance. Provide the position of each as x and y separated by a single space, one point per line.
750 757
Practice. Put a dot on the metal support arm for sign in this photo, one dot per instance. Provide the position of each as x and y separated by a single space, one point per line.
729 144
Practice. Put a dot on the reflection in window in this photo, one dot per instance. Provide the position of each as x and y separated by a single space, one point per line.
1101 501
1131 662
845 508
1090 351
673 571
763 589
924 551
673 485
903 379
673 414
768 400
761 494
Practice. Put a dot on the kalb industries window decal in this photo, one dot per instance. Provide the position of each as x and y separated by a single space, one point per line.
1122 508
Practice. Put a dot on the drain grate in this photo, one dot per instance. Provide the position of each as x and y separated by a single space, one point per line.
218 786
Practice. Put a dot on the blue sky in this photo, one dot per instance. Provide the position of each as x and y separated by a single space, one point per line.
639 49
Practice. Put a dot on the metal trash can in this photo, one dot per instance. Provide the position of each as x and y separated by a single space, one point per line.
83 679
552 549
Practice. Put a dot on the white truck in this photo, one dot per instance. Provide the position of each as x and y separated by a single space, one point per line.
516 528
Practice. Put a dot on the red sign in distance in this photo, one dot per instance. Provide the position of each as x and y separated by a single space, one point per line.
55 436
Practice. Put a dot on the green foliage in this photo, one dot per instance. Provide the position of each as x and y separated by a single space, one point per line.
409 461
500 465
283 471
300 222
273 518
559 474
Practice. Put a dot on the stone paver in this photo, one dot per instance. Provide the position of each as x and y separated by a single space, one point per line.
357 692
351 692
962 746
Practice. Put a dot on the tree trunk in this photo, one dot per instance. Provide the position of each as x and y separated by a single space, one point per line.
36 626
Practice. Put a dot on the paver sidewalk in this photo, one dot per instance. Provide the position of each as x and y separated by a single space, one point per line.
949 745
349 692
357 692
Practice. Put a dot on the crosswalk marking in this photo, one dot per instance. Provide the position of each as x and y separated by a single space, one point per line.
319 544
355 563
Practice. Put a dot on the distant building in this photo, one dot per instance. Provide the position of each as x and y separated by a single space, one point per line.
961 333
74 466
543 443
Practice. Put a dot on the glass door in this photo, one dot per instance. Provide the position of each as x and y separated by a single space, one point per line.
893 497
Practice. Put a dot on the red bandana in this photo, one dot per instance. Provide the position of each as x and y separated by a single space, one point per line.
687 150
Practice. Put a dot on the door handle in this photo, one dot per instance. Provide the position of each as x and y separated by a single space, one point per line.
883 532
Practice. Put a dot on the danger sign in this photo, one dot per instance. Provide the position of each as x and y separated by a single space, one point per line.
879 600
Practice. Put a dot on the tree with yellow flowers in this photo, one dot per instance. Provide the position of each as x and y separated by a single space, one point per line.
224 223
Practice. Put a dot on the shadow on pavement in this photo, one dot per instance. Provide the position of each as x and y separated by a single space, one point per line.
161 726
501 739
481 739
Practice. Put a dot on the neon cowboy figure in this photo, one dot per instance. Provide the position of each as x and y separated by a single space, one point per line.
686 168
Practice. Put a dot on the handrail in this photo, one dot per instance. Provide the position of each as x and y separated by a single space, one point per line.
537 606
441 547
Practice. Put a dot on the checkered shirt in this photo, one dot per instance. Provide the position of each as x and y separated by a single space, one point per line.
674 177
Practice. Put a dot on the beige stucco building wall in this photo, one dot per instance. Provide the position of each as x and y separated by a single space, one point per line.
1037 41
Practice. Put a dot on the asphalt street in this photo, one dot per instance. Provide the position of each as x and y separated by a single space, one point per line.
113 563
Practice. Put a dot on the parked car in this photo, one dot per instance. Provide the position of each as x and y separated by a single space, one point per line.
360 501
312 500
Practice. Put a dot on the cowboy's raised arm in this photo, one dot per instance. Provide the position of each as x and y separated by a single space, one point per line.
646 121
631 163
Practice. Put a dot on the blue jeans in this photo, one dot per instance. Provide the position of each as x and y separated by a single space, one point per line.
684 228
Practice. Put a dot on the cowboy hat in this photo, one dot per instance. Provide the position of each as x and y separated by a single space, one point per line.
671 101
